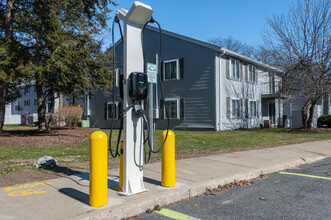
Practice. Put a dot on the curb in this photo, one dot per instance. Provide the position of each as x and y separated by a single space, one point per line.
182 192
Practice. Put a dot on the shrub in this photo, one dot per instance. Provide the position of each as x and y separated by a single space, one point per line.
71 115
324 120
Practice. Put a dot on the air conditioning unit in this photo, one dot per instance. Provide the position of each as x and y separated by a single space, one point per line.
287 123
266 123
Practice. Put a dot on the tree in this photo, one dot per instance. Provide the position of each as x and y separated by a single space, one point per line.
12 55
234 45
299 43
61 40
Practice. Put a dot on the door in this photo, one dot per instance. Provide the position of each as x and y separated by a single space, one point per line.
272 113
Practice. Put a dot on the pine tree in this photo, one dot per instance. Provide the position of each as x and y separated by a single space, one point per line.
61 40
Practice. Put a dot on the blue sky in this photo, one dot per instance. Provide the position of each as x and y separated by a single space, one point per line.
244 20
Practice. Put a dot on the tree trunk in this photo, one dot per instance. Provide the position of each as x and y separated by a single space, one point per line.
41 107
61 103
4 85
311 114
52 111
9 20
3 95
279 116
304 113
60 100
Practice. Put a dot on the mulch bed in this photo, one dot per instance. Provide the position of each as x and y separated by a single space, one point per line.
55 137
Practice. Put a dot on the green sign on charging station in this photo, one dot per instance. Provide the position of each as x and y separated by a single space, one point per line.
151 73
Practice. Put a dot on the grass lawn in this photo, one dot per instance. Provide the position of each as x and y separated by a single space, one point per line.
188 144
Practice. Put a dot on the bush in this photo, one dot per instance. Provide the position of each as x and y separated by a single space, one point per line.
324 120
71 115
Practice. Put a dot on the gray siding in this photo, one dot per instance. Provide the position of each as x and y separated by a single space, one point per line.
197 87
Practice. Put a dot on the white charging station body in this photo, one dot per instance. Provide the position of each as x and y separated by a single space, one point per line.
133 21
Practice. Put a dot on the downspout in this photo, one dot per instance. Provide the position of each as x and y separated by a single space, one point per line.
219 91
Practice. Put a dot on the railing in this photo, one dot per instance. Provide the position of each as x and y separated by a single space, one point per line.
270 88
18 108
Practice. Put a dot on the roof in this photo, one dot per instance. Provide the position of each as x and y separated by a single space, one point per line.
222 51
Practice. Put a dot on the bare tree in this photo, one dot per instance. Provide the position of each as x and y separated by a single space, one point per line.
234 45
299 43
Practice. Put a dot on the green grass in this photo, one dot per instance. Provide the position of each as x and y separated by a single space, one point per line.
18 127
188 144
80 152
200 141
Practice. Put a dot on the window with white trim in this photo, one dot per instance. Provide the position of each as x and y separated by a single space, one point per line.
26 102
234 69
235 108
173 108
110 108
171 70
26 90
252 109
251 74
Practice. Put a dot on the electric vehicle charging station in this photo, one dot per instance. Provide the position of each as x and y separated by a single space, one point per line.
133 22
133 86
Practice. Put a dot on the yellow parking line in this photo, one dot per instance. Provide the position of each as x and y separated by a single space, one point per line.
174 215
305 175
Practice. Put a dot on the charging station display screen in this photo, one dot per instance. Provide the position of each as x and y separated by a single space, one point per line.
141 85
141 81
138 86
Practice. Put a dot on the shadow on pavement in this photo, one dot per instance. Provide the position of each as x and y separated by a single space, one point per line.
75 194
152 181
86 176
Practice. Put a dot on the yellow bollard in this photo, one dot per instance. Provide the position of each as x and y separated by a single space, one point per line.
120 181
98 169
168 160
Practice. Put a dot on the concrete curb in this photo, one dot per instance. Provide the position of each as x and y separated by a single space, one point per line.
167 197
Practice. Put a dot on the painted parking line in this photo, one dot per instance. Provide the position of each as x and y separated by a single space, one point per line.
174 215
305 175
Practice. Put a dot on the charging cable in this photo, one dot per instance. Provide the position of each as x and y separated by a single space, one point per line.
114 155
152 20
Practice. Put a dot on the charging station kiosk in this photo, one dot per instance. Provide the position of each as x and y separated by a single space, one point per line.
133 22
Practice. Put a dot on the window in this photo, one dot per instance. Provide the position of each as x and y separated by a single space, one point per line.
110 108
172 106
171 70
18 107
252 109
26 102
26 90
251 74
35 102
235 108
235 69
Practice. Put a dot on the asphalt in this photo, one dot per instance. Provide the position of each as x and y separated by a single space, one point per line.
305 195
68 198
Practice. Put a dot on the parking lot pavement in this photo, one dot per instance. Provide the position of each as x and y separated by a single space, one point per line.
300 193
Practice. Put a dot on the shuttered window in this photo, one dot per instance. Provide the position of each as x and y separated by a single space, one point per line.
173 108
251 74
110 107
235 69
252 109
235 108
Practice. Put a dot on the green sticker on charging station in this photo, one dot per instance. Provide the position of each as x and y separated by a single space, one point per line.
151 73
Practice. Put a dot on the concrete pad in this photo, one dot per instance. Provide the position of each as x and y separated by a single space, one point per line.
319 147
276 158
35 200
202 168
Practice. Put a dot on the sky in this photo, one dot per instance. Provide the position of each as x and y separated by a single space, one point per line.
244 20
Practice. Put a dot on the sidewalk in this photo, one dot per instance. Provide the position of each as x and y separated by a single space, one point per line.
67 198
